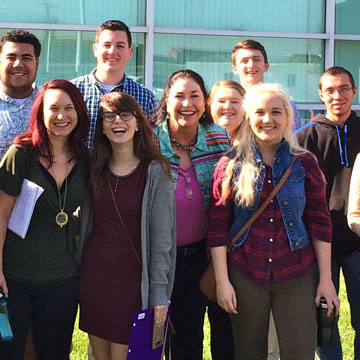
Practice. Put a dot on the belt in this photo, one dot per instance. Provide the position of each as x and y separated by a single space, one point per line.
190 249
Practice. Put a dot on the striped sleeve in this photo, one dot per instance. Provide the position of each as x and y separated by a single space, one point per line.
220 215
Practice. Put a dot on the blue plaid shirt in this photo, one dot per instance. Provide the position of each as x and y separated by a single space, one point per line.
14 118
92 91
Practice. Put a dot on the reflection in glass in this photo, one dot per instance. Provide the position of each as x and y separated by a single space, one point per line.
68 54
258 15
347 17
308 115
79 12
347 55
294 63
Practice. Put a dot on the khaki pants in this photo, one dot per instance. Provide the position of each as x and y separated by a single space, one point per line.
294 312
273 343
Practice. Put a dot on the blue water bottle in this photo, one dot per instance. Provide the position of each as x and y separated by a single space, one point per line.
5 328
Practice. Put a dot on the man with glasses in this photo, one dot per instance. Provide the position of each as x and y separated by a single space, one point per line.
112 50
335 142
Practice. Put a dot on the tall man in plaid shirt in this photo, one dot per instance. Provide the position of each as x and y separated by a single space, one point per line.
112 50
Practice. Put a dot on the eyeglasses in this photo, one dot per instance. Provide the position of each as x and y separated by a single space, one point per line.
340 91
112 116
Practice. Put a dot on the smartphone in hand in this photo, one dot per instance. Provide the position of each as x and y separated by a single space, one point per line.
158 335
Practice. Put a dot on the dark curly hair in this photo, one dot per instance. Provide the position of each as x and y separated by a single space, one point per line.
22 37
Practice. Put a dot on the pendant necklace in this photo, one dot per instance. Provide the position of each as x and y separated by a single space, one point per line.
127 172
62 217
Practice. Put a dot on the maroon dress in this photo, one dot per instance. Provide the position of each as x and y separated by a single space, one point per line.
110 276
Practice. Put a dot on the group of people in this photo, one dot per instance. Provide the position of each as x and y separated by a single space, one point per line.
138 196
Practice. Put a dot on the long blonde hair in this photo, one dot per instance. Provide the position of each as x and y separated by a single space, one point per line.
243 184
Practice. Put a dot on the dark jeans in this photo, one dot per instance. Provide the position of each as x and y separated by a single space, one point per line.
188 304
221 334
350 266
51 309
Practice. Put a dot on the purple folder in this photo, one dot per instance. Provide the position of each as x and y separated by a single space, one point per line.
140 345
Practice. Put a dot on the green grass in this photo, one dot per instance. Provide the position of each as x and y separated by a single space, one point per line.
346 331
80 339
80 343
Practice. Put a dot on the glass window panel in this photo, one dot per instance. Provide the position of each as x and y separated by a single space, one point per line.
68 54
347 55
295 63
347 17
261 15
308 115
88 12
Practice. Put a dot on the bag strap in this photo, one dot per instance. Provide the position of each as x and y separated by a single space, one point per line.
122 222
264 204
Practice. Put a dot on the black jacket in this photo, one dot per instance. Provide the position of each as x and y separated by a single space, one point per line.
335 149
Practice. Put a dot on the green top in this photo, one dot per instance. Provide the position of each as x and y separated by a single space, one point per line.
48 253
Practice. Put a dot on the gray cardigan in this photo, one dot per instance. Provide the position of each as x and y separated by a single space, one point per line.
158 237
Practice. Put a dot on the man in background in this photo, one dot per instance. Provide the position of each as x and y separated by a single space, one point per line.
250 62
334 141
112 50
19 61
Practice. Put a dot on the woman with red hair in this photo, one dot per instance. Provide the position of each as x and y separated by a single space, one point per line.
39 273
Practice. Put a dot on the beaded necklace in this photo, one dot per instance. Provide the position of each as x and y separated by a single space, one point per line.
189 146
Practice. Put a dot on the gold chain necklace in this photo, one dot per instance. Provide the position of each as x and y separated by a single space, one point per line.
62 217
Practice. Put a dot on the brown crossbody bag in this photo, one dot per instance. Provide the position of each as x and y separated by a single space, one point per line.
207 282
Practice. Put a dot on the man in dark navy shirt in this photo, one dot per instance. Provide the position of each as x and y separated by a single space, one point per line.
335 142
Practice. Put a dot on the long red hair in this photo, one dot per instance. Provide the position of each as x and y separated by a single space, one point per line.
37 137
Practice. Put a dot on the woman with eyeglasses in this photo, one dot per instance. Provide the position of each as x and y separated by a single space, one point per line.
129 260
193 144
